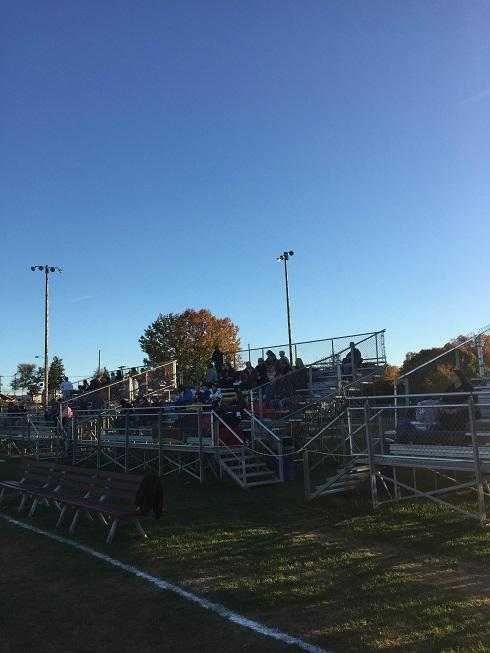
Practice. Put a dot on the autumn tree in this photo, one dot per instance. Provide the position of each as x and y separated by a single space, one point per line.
28 377
189 338
435 376
56 373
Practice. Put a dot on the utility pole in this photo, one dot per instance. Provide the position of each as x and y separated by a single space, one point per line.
46 269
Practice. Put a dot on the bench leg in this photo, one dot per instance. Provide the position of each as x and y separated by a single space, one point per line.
2 494
88 514
102 518
62 516
140 528
22 503
112 531
33 507
74 521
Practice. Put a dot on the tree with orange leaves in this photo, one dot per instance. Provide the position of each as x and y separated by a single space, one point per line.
190 338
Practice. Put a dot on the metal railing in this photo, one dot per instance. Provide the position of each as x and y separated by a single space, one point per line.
475 338
150 382
323 378
307 350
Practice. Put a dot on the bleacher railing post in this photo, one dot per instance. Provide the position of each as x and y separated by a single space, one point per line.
306 473
74 445
98 429
280 449
369 446
199 433
126 443
476 456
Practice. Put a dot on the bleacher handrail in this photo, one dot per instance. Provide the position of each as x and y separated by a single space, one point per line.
123 380
309 342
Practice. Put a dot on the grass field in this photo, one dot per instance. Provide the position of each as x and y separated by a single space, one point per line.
411 578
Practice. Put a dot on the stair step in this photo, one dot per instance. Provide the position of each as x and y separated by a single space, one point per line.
272 481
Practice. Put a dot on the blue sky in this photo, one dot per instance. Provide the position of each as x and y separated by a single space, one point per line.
164 153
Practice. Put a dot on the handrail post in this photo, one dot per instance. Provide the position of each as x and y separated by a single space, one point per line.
280 449
372 467
98 428
261 403
126 443
306 473
244 471
476 455
160 442
74 445
199 433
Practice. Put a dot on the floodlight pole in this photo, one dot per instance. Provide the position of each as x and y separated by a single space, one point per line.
285 257
46 269
46 333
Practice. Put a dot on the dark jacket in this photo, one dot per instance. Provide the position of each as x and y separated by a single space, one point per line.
150 496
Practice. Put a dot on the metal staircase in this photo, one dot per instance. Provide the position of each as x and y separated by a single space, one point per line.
246 468
346 479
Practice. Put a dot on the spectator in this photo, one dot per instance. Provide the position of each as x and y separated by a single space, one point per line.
456 418
248 376
283 363
347 361
227 375
203 394
133 384
186 397
66 388
300 376
215 396
218 359
261 372
211 374
272 365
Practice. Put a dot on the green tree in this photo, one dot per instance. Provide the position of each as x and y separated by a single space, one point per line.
189 338
56 373
28 377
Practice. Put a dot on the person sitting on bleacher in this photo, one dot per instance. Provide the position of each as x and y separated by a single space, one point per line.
228 375
283 363
457 418
272 365
185 398
203 394
300 377
248 376
261 372
215 396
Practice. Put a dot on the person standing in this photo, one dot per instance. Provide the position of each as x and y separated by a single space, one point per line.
66 388
218 359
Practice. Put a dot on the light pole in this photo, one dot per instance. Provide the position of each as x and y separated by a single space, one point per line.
46 269
285 256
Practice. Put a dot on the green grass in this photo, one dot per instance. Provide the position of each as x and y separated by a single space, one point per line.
409 578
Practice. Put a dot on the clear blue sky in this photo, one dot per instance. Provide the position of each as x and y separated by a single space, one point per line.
165 152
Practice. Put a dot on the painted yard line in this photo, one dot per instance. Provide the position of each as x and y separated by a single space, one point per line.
234 617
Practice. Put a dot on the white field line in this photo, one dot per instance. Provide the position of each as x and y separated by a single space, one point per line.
234 617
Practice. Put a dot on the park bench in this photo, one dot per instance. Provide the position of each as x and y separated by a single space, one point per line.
108 495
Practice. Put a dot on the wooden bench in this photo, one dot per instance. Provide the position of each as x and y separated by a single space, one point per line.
109 495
